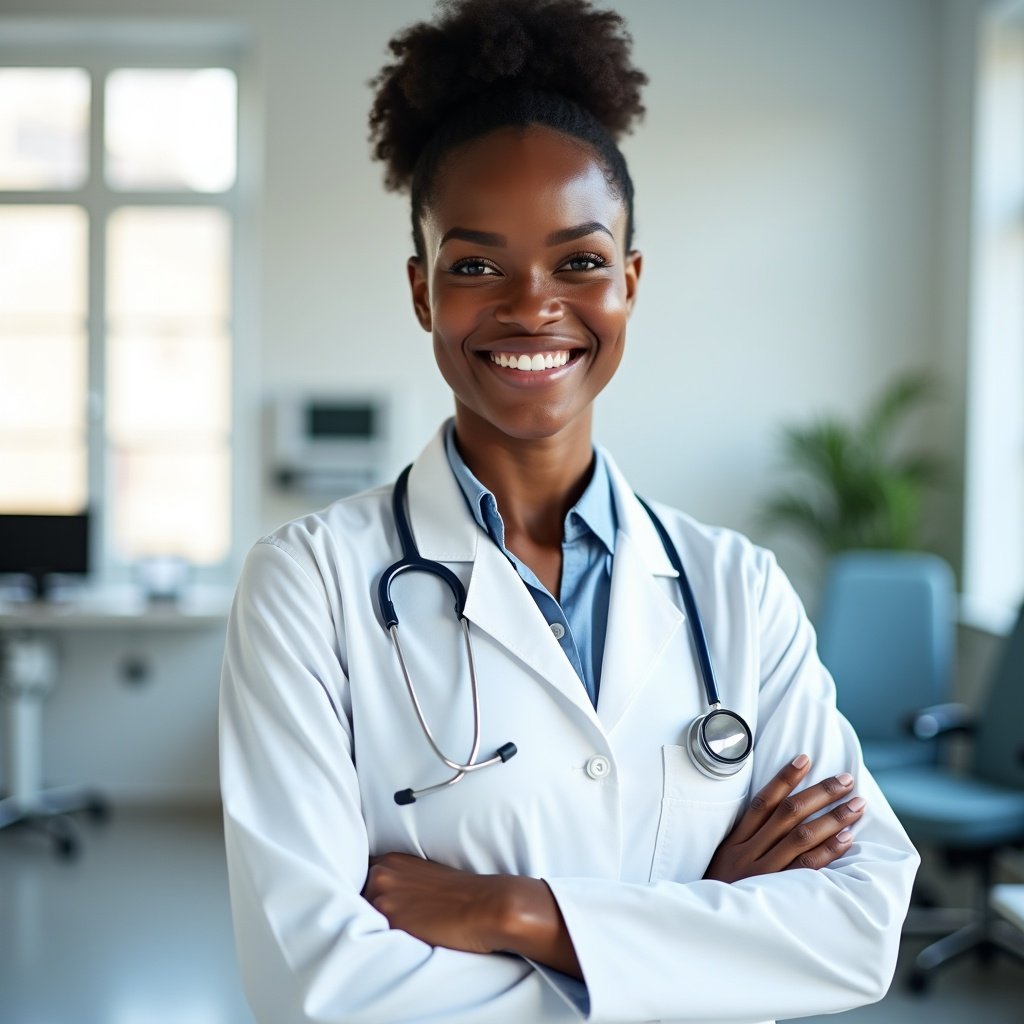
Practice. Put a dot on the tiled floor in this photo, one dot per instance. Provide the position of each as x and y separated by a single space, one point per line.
138 931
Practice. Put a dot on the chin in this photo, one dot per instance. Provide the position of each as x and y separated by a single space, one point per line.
535 421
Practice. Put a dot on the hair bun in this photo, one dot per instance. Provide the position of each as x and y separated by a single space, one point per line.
474 47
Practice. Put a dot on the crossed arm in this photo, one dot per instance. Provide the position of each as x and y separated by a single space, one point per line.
461 910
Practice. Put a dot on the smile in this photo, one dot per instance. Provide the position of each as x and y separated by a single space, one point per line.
531 363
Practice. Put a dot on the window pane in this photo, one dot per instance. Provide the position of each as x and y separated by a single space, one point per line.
47 479
42 384
171 129
172 503
173 385
43 254
168 262
44 116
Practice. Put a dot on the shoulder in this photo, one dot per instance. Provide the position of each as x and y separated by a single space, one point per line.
321 545
718 557
711 555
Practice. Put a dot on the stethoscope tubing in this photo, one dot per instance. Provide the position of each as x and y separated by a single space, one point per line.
412 561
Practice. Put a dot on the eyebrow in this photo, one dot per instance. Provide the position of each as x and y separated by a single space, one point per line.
480 237
491 238
571 234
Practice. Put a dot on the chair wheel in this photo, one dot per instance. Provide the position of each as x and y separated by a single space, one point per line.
67 847
917 981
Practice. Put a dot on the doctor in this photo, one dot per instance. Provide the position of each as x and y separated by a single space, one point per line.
598 873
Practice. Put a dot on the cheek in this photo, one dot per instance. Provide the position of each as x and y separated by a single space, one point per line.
454 314
609 311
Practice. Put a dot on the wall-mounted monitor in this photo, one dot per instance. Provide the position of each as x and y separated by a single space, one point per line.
331 444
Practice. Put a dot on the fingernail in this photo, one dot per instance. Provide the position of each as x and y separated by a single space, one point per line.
846 779
846 836
802 761
857 804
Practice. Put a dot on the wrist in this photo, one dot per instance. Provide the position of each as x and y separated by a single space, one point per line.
529 920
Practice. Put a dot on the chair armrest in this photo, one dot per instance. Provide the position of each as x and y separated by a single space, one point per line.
941 720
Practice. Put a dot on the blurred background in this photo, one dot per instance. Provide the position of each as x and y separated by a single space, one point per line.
205 331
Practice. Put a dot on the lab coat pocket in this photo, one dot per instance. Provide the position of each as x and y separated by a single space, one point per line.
696 814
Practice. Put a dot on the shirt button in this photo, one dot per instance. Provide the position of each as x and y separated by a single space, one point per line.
557 630
599 767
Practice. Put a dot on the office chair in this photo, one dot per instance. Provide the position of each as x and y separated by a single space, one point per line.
27 673
972 815
886 630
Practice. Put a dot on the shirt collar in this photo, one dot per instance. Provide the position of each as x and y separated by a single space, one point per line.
595 511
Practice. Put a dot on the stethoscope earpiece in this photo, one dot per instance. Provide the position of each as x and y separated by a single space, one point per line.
718 742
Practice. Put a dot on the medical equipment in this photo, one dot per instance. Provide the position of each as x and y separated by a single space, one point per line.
718 741
331 444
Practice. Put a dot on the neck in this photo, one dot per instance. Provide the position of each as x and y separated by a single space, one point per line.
534 480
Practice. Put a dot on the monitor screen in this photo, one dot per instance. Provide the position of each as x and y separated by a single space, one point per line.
38 545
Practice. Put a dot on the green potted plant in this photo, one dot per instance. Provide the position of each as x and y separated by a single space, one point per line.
856 486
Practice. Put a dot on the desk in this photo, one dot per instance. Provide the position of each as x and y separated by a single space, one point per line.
28 672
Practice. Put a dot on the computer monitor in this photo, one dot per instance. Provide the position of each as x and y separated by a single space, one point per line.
40 545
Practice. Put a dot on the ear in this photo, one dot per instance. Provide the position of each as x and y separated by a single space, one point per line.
420 292
634 264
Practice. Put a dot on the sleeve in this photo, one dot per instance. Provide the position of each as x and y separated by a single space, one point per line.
791 944
312 950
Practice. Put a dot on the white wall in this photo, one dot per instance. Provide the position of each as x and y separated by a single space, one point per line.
797 174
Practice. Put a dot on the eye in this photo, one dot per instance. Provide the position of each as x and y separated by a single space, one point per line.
472 267
583 261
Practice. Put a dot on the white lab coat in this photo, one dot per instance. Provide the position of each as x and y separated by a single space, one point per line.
317 733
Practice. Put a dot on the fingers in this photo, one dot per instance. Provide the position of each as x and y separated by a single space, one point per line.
794 809
825 853
816 844
765 802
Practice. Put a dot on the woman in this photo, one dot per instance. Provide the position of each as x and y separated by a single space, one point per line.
601 872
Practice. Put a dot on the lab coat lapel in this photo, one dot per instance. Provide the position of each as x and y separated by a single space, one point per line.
499 603
642 619
497 600
642 613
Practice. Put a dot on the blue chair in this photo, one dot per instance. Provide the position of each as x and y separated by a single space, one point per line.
886 629
970 816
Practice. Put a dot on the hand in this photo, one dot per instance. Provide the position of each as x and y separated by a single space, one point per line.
443 906
440 905
774 834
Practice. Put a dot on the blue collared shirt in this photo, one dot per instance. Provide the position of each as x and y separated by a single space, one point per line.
579 618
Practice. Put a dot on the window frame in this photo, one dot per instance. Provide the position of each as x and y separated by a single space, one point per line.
993 544
99 47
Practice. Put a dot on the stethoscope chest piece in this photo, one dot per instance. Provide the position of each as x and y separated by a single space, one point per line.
719 743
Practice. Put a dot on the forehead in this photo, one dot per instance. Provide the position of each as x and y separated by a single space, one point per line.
522 182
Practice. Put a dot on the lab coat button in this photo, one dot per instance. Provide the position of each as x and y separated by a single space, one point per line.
598 767
557 630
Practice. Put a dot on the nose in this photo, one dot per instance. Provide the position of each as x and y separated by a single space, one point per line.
529 304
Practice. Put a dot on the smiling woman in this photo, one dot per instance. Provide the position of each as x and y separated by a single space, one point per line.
614 814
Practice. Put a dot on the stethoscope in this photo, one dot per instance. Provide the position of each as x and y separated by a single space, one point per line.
718 741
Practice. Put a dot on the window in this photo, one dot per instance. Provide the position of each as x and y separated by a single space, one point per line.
117 224
994 512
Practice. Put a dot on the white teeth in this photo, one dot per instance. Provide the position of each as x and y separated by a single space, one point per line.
539 361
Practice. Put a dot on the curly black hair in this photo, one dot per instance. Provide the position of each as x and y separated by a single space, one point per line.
487 64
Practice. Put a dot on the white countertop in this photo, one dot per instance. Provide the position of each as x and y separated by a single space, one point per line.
118 608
